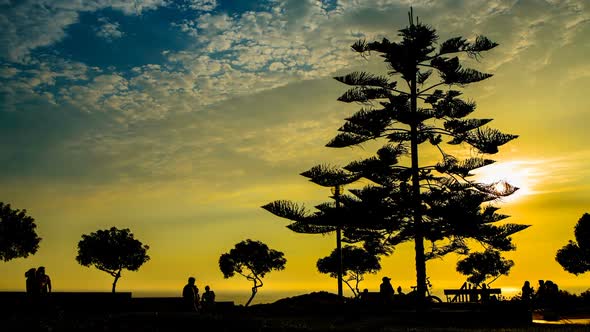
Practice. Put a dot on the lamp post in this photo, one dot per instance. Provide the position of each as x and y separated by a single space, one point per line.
337 191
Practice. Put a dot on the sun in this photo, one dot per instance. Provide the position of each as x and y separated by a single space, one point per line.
525 175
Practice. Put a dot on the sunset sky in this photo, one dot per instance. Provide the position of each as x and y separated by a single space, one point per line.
179 119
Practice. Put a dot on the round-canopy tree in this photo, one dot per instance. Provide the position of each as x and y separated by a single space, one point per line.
480 266
253 260
111 251
17 233
355 263
574 257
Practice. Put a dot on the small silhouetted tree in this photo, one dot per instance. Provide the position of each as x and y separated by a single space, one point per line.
481 266
574 257
17 233
112 250
356 262
253 260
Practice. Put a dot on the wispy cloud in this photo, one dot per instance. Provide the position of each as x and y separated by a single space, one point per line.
109 30
30 24
253 53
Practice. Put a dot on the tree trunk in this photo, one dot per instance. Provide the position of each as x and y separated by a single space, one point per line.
117 276
254 291
339 252
417 202
351 288
339 244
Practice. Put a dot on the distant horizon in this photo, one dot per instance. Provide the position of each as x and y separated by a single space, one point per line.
269 296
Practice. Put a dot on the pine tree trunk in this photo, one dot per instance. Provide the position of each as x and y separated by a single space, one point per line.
418 236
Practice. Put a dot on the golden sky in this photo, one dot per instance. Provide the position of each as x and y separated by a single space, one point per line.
181 133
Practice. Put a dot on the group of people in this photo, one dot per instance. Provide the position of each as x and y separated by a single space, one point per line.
37 281
386 292
193 302
545 296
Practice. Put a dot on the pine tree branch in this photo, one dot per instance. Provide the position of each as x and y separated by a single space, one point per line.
431 87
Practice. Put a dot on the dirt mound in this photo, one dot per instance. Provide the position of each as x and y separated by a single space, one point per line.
312 303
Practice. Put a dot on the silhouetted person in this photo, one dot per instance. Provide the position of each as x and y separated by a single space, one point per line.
386 291
43 281
208 299
471 296
485 293
32 286
364 296
551 294
399 290
540 296
527 292
190 295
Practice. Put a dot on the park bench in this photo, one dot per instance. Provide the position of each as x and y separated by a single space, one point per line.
465 294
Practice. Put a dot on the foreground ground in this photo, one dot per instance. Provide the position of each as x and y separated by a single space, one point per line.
312 312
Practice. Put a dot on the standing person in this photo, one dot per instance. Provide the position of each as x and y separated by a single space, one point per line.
190 295
208 299
485 292
43 281
32 285
540 296
386 290
527 292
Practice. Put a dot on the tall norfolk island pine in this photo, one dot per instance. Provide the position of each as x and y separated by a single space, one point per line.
439 202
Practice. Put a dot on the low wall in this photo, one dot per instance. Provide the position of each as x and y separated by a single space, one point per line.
95 302
69 301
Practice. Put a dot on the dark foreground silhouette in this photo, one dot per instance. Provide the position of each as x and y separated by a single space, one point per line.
320 311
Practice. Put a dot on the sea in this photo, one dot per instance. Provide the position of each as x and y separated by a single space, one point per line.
263 296
270 296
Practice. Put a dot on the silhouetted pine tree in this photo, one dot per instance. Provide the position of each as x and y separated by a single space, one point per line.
415 201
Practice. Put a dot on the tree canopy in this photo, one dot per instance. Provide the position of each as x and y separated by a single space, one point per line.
355 263
481 266
574 257
409 199
18 237
252 260
112 250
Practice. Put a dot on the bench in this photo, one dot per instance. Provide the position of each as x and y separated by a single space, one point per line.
471 294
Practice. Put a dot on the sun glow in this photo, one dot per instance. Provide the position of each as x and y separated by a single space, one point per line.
523 174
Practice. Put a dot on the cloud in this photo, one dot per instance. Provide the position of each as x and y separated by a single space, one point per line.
258 56
109 30
202 5
36 83
29 24
290 41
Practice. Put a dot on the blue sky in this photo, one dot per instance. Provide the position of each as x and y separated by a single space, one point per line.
182 118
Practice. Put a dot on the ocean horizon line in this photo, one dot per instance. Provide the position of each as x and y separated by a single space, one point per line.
263 296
